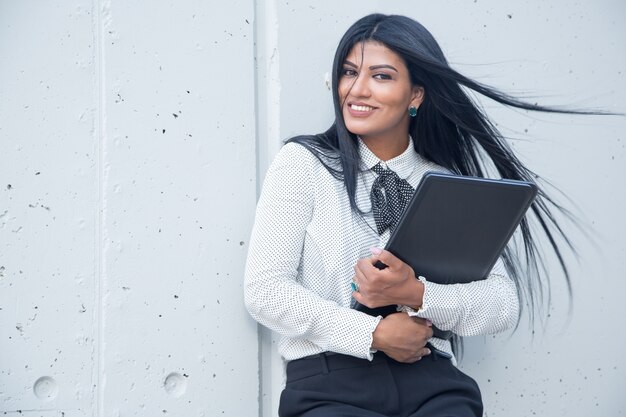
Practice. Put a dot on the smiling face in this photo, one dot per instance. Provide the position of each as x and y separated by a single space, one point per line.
375 91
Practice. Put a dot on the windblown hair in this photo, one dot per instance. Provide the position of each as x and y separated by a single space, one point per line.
451 130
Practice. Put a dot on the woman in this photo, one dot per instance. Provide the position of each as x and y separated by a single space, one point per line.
328 205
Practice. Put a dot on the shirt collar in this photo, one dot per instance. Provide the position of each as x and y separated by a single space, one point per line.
403 164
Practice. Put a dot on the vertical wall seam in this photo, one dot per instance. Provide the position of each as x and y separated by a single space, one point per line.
255 61
95 351
257 144
99 62
267 119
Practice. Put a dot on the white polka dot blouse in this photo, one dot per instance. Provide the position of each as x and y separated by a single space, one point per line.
305 242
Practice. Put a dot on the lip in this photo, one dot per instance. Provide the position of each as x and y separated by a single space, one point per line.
359 113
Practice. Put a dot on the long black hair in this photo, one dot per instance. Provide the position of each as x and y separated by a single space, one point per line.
451 130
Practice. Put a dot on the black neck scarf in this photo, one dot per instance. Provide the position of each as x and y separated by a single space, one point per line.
389 205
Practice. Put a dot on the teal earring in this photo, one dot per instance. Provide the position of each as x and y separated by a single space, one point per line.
412 111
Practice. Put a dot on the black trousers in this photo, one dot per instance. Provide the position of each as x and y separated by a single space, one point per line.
334 385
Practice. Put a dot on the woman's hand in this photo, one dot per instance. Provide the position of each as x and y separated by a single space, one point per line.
402 337
395 284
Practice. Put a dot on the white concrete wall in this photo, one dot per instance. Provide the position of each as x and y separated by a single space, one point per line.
133 140
128 172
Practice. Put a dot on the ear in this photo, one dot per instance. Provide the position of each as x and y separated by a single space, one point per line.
417 96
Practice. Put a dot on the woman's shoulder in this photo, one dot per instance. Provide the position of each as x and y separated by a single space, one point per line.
296 149
294 159
308 151
296 155
296 169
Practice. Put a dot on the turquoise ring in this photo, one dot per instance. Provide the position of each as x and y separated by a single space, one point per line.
355 286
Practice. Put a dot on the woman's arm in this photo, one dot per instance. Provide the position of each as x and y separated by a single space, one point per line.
272 295
480 307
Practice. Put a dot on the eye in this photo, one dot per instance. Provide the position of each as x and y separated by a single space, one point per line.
382 76
348 72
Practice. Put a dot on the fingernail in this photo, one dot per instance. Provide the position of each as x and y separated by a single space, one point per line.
429 323
428 351
376 251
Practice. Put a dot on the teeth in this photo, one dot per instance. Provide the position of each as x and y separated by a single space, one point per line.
361 108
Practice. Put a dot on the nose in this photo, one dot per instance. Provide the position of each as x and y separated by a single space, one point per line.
360 88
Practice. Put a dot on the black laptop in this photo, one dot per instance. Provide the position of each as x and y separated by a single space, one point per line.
456 227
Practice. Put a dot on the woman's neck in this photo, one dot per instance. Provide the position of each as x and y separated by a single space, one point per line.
385 148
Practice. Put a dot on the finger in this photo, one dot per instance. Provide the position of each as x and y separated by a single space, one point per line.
376 251
361 299
416 358
360 269
422 321
419 355
358 297
369 273
385 257
372 266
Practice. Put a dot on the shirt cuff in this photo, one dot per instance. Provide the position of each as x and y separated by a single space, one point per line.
423 308
353 334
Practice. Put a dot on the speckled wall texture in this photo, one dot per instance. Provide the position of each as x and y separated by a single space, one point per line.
133 140
128 189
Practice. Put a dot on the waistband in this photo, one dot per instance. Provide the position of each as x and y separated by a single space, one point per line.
324 363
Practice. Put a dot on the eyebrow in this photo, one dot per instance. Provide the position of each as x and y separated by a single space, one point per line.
373 67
